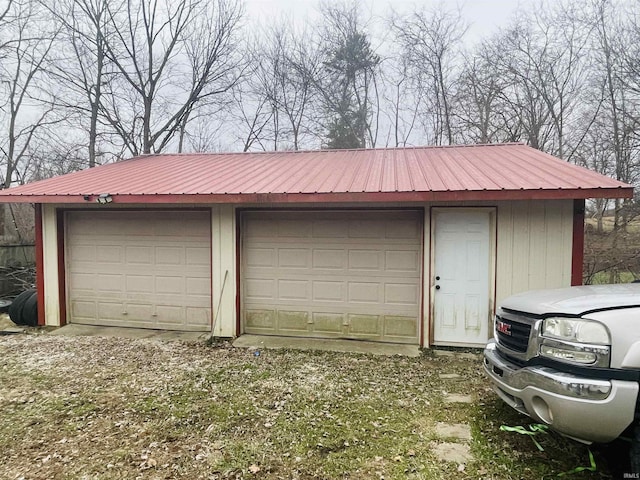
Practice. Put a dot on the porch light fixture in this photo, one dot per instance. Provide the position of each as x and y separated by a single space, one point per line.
104 198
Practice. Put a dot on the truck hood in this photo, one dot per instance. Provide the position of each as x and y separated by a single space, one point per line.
575 300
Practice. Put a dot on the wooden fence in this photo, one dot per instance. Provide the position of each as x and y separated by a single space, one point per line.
18 256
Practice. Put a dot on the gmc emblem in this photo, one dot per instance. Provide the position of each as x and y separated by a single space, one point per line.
503 328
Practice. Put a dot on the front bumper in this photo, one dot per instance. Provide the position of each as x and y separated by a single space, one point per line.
588 410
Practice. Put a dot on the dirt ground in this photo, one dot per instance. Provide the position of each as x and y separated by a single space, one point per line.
110 408
5 322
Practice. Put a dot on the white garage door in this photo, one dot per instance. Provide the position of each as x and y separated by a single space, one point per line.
332 274
139 269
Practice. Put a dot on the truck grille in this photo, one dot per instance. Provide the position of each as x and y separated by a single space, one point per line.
518 340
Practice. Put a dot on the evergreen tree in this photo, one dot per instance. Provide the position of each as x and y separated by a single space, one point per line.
350 69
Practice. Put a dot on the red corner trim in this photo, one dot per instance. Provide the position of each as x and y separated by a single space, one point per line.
62 275
577 249
238 273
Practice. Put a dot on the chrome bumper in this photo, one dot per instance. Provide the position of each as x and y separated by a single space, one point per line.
588 410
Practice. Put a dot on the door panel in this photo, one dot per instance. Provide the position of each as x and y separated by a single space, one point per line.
333 274
462 273
146 269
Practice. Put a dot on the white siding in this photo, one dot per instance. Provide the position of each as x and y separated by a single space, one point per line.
534 248
533 251
50 258
223 245
534 242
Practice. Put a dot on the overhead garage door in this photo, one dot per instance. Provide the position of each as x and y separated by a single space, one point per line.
139 269
332 274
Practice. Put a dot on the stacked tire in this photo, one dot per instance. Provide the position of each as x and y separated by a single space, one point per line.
24 309
5 303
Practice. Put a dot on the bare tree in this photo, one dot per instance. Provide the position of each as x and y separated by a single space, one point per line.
596 153
430 40
404 96
27 108
545 60
295 98
257 94
170 57
280 88
214 65
254 115
609 45
479 101
85 70
204 133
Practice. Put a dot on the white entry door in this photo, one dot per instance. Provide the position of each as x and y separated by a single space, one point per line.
462 273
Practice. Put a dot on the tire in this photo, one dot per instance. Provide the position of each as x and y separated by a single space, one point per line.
30 311
634 451
17 307
5 303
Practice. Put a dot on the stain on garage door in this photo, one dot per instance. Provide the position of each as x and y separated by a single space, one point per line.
146 269
332 274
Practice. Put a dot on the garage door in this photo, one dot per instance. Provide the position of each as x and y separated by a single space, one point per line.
338 274
139 269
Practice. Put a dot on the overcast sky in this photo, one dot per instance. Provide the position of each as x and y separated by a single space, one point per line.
483 16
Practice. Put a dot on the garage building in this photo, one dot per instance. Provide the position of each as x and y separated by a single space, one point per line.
402 246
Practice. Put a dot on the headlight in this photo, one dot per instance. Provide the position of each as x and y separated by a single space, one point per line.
576 330
568 355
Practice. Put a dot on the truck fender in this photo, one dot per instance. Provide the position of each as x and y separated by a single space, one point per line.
632 358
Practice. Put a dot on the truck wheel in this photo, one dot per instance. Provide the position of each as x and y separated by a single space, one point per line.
634 451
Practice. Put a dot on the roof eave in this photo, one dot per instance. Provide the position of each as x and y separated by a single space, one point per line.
430 196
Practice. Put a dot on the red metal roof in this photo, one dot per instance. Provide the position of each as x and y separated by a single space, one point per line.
475 172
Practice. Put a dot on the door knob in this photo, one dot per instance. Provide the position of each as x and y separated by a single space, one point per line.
437 287
437 278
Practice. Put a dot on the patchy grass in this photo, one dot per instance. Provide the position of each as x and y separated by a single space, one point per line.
98 408
605 277
611 256
632 226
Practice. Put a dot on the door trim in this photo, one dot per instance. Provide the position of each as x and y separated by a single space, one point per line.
493 253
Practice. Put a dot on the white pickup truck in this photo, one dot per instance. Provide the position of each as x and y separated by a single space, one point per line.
570 358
